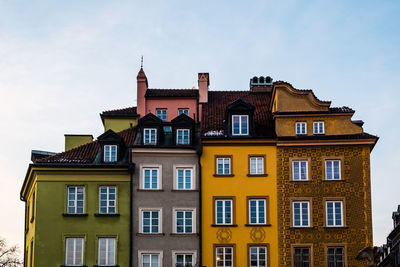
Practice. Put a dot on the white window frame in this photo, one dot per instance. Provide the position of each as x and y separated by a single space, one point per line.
163 112
223 165
142 176
334 213
240 125
299 170
150 141
175 224
257 160
301 124
233 259
301 202
108 200
223 211
182 131
258 255
75 252
185 252
75 206
192 168
110 156
332 161
141 218
319 127
109 262
150 252
183 111
258 211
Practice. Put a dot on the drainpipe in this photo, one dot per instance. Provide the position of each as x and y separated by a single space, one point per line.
131 169
199 152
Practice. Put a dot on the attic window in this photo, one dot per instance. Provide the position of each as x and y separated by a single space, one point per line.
150 136
240 124
110 153
183 136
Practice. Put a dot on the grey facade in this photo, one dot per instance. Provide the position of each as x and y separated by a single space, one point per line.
162 200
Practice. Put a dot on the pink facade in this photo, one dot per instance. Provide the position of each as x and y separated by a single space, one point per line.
150 104
172 105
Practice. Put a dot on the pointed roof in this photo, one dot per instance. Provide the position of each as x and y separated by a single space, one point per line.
141 74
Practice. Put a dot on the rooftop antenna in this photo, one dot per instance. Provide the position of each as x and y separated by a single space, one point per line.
141 63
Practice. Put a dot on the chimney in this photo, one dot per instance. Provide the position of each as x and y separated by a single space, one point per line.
141 92
261 84
204 82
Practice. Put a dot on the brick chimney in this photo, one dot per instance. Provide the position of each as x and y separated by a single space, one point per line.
204 82
261 84
141 92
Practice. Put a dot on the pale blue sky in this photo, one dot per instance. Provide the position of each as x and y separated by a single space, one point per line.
63 62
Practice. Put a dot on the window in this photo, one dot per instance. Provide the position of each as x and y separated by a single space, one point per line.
185 221
223 211
332 170
183 111
150 136
300 170
301 213
335 256
107 199
257 211
257 165
240 125
224 256
33 207
223 165
301 128
151 179
106 251
74 251
76 199
301 257
167 129
183 136
150 221
334 213
319 127
150 259
162 114
184 259
258 256
184 179
110 153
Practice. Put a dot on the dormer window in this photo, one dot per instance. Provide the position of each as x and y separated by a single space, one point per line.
110 153
162 113
150 136
301 128
182 136
240 124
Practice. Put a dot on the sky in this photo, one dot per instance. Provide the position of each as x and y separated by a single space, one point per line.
64 62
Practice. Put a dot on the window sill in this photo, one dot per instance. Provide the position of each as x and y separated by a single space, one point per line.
300 181
336 227
257 175
73 265
150 190
257 225
150 234
185 235
107 214
333 180
224 225
75 215
184 190
106 265
302 227
223 175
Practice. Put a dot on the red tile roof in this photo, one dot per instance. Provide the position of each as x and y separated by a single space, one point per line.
213 113
123 111
172 93
86 154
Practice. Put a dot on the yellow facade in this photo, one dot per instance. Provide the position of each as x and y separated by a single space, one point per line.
119 124
74 140
240 186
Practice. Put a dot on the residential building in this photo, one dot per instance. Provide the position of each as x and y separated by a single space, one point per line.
323 172
239 196
389 253
78 204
